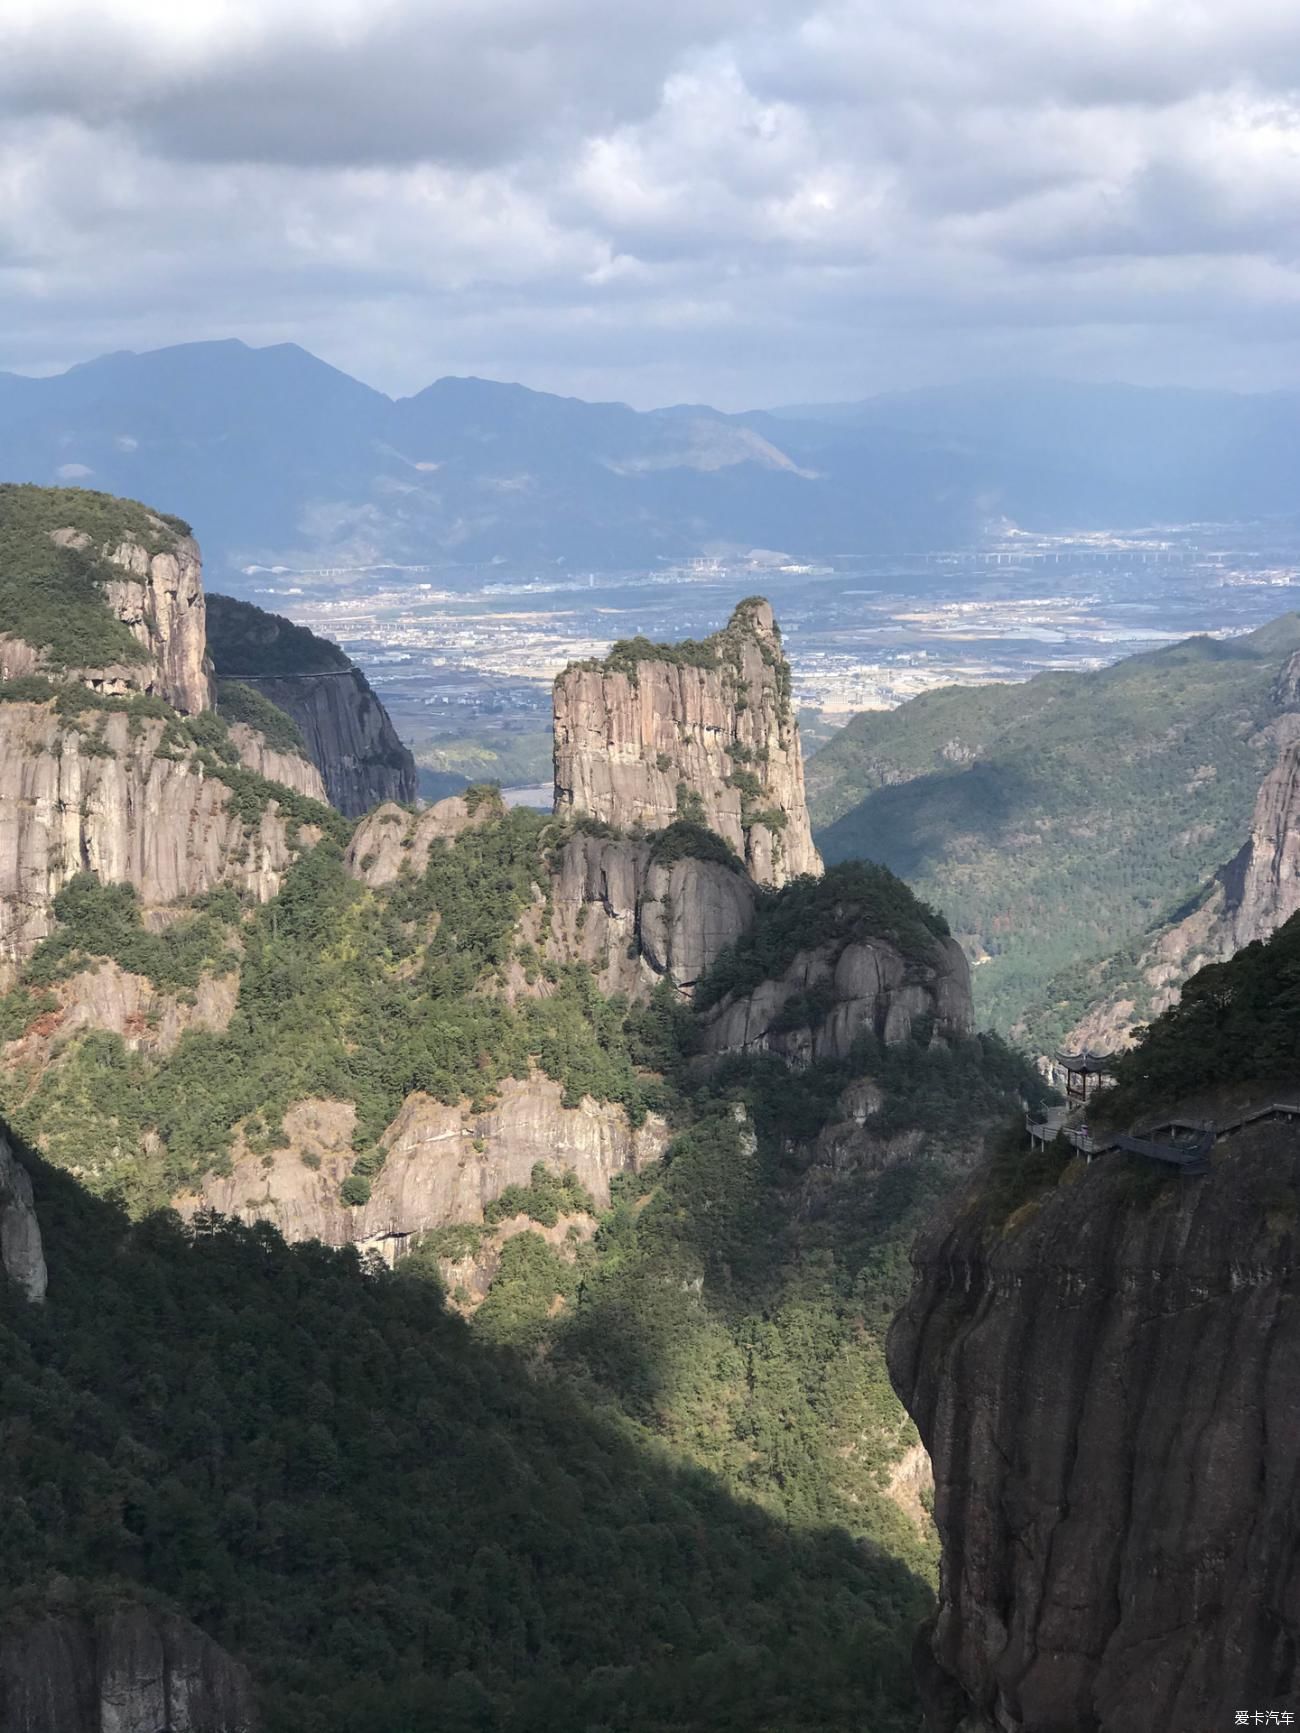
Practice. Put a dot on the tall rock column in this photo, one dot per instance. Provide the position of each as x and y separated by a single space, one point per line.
701 730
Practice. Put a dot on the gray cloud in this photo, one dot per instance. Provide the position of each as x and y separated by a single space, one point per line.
662 199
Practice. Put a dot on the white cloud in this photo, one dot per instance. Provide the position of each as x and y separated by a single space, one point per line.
663 199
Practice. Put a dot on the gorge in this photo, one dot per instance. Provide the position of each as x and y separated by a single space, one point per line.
450 1251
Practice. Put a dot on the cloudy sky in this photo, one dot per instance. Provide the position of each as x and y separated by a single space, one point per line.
740 201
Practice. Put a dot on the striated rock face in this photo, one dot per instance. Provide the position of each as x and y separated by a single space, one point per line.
1110 1395
636 920
347 730
435 1172
22 1254
131 1671
159 598
651 737
391 842
830 995
1261 887
161 601
108 800
349 736
290 768
104 996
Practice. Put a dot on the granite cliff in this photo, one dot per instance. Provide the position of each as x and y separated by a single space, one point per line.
133 1670
146 571
111 760
345 729
443 1164
702 731
1106 1380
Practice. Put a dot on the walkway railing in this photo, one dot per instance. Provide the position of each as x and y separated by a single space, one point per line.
1182 1143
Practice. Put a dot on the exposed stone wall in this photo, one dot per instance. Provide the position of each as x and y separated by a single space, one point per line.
866 986
1110 1394
136 1670
628 743
391 843
115 806
1250 898
350 738
444 1164
636 920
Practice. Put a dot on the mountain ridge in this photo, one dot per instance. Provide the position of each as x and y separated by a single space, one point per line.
1061 819
329 472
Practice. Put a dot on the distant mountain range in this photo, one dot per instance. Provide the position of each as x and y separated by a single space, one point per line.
278 458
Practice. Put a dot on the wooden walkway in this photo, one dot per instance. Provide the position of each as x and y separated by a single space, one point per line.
1182 1143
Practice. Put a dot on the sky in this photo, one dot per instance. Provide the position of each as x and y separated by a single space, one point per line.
660 201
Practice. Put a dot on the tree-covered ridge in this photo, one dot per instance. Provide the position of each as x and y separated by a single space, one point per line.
855 900
232 1424
240 703
247 640
342 993
726 1316
734 1301
1235 1023
1060 819
52 596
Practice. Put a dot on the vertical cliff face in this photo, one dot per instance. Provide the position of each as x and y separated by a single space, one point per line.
444 1163
102 600
109 794
1109 1389
22 1253
160 600
701 731
135 1670
831 993
80 552
346 730
637 920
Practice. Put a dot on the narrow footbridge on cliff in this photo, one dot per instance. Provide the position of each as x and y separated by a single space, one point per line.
1185 1144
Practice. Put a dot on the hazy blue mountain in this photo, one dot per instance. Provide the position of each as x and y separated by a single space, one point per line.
278 458
1063 453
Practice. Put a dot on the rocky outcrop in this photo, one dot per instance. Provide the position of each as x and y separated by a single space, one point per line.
347 731
349 736
391 843
104 996
704 731
136 1670
289 768
1110 1394
22 1254
637 920
159 598
468 1279
109 796
443 1164
832 993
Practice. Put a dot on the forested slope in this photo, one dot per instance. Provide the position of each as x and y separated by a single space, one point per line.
388 1519
647 1486
1061 819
